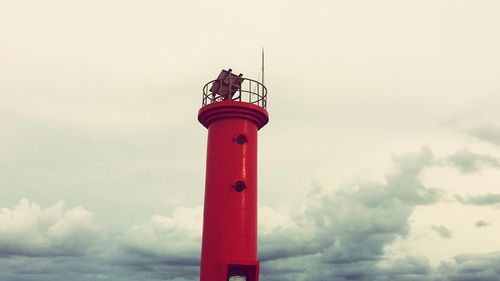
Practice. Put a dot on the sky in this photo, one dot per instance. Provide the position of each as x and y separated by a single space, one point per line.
381 160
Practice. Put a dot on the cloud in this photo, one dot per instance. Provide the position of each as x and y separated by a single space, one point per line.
481 223
163 247
479 200
50 243
405 268
348 229
31 230
56 268
341 236
442 231
487 133
337 236
56 243
478 267
467 161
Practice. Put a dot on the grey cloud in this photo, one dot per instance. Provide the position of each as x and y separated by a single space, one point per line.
406 268
479 267
481 223
467 161
342 236
80 268
479 200
322 244
487 133
442 231
338 236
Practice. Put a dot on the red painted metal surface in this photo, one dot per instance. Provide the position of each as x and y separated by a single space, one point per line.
229 243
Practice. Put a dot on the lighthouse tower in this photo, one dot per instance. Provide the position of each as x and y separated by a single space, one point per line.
233 110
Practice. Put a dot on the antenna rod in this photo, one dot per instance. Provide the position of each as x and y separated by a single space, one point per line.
262 65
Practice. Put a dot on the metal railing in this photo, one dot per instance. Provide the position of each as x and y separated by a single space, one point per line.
235 89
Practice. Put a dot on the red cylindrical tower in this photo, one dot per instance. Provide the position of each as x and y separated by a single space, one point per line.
233 111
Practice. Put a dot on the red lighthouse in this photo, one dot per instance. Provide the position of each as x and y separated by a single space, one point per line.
233 110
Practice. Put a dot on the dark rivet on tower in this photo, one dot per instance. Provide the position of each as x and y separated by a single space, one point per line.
239 186
241 139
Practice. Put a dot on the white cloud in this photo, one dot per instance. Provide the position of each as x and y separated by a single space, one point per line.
177 235
273 218
164 247
28 229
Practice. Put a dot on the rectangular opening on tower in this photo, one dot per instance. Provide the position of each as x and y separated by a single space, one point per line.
242 271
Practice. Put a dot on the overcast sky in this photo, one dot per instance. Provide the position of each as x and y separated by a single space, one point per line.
381 160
